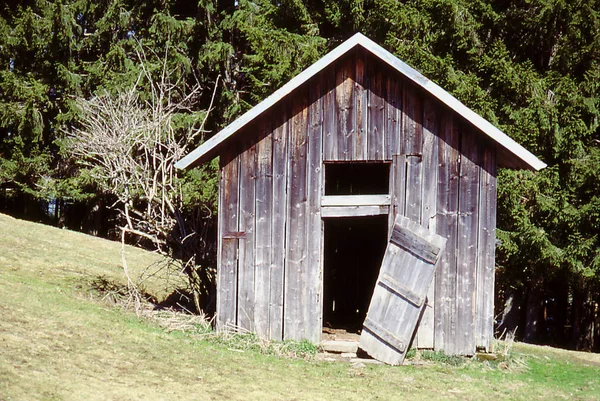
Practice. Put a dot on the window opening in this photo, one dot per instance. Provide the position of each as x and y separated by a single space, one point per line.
357 178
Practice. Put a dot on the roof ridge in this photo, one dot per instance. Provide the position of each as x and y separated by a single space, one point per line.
499 137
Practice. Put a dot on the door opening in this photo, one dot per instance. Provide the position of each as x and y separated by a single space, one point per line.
354 249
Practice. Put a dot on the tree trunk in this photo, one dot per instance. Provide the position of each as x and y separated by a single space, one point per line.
533 313
511 313
582 336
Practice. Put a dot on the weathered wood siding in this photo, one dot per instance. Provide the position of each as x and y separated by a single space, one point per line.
443 176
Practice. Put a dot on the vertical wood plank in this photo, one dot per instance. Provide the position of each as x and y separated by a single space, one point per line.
484 312
467 242
393 115
295 267
376 118
447 223
264 206
413 142
227 265
398 188
278 250
246 268
361 98
314 252
345 108
425 333
330 134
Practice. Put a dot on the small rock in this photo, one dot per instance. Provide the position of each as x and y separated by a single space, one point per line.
357 365
348 355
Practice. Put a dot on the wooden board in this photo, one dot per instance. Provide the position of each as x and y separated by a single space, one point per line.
398 298
484 311
425 333
314 252
246 269
413 150
278 229
467 243
296 241
355 200
354 211
264 207
330 134
345 109
376 116
228 252
447 221
361 98
393 117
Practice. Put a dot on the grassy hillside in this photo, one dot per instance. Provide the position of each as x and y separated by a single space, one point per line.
57 342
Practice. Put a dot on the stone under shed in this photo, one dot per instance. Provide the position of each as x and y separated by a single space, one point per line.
345 194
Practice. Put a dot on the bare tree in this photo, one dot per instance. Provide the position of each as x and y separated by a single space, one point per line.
129 145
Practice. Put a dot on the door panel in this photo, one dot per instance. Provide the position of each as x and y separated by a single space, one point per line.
399 297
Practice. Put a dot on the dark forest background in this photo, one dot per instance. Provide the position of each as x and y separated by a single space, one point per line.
532 68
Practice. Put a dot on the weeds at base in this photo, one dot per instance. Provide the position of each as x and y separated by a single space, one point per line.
200 326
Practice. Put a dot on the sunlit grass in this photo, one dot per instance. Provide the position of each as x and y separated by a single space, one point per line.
60 341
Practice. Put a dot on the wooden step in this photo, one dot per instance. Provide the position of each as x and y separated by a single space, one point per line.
339 347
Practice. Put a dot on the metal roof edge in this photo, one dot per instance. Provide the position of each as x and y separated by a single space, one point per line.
482 124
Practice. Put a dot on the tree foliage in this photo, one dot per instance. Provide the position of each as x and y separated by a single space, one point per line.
530 67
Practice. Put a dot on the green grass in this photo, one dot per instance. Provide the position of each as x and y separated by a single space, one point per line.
58 342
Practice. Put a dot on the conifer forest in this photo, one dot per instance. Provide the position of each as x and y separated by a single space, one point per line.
99 98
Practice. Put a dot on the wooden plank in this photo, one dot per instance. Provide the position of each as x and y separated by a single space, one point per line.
387 309
355 200
395 314
415 244
484 310
385 335
246 269
361 99
227 265
400 289
446 226
376 118
393 116
425 333
330 134
353 211
278 231
413 149
313 286
467 243
344 112
399 187
264 207
295 268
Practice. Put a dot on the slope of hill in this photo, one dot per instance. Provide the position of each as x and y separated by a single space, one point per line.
58 343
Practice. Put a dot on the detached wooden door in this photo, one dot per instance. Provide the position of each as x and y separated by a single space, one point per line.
406 273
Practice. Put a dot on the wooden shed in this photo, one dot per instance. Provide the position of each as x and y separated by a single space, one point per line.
312 181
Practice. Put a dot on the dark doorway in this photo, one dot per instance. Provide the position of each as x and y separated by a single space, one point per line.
354 249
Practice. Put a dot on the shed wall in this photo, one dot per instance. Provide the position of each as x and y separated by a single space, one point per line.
443 176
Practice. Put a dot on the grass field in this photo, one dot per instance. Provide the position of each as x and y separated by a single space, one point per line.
59 342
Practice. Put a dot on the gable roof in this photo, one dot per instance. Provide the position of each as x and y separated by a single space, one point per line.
514 154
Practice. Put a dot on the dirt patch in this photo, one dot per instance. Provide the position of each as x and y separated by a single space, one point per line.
330 334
